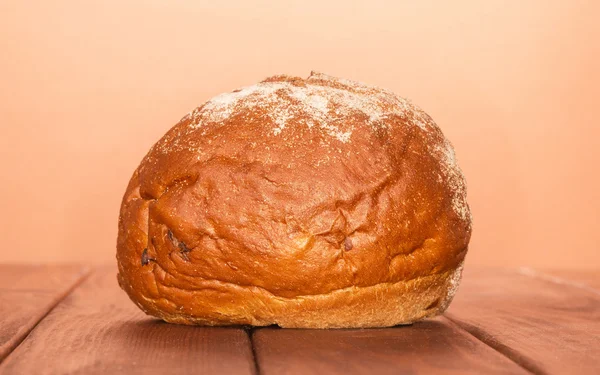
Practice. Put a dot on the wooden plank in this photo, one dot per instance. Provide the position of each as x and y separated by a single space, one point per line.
98 330
546 327
39 278
585 279
27 294
433 346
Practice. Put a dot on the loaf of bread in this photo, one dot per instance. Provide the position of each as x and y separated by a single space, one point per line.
315 203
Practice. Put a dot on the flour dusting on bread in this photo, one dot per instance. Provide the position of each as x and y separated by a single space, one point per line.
453 176
323 100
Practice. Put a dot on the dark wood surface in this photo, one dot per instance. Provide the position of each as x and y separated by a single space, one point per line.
27 293
59 320
98 330
430 347
548 327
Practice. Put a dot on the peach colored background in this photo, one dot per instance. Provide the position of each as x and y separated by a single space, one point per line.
87 87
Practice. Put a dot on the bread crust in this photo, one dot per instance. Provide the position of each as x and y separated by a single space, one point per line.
314 203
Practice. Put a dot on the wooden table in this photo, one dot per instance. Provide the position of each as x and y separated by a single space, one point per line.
76 320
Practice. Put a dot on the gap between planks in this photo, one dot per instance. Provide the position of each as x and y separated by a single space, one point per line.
250 332
17 340
489 340
496 344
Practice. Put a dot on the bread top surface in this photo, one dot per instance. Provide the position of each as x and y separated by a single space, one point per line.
296 186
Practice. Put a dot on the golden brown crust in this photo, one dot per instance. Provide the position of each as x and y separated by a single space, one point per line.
312 202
